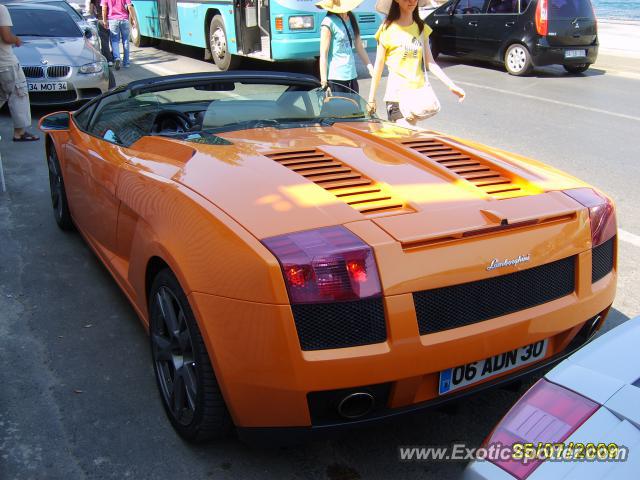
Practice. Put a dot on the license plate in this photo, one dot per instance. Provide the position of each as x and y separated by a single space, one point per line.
575 53
473 372
48 87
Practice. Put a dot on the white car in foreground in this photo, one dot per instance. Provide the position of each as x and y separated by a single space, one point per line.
582 420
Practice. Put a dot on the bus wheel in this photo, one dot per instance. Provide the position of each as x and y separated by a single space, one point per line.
219 46
136 38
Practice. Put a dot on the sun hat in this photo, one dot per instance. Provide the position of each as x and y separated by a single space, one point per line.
383 6
339 6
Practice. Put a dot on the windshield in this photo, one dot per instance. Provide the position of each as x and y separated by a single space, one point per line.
43 23
208 109
67 8
570 9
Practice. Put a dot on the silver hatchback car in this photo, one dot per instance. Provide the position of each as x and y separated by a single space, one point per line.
60 63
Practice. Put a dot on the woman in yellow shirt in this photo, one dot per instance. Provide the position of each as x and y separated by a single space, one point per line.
400 47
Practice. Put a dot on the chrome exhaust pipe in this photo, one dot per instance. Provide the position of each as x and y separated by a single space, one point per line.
356 405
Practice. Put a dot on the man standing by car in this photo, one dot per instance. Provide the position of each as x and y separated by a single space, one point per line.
115 13
13 84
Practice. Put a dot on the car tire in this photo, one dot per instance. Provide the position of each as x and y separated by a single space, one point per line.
112 80
190 393
218 46
517 60
580 68
136 38
59 201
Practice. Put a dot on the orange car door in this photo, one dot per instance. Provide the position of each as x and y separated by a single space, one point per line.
94 160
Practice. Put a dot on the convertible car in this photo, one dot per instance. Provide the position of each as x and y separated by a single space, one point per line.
303 266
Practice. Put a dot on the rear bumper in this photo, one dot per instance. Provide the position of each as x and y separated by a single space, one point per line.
294 435
545 54
268 381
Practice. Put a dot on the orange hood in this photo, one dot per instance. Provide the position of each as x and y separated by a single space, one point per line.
417 186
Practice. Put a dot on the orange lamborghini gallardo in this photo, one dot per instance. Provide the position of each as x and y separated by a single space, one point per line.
302 265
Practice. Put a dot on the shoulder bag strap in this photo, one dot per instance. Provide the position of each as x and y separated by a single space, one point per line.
346 30
425 65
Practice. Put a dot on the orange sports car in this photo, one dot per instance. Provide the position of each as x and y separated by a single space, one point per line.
302 265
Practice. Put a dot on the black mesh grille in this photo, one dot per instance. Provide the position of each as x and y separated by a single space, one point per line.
33 72
43 98
602 260
459 305
337 325
58 71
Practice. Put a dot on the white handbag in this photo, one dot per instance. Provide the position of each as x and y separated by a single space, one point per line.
420 103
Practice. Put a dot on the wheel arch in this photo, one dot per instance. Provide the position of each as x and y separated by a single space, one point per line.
158 260
211 12
229 28
154 266
48 143
507 43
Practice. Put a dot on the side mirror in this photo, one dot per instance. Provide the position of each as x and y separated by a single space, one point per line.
58 121
88 33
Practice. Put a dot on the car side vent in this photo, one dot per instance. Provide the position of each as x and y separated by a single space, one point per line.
343 181
467 166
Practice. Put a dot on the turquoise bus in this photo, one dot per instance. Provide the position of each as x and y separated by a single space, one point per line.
231 29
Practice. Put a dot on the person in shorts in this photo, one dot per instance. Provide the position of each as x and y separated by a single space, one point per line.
401 40
13 84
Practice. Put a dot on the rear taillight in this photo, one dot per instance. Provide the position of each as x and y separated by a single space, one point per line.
547 413
602 215
325 265
542 17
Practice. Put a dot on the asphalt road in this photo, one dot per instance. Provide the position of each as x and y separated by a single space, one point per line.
78 399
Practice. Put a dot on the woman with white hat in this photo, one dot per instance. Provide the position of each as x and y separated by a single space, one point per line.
339 36
403 45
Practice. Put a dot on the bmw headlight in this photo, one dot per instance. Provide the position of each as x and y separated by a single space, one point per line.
301 22
91 68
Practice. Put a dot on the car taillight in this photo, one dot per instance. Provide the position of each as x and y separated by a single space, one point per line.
602 215
326 264
542 17
547 413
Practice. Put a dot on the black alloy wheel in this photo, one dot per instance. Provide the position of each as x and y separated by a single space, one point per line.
58 193
188 387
